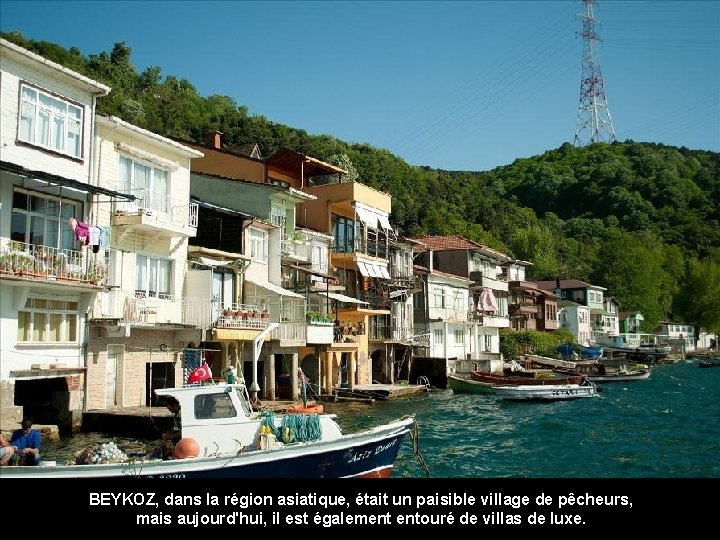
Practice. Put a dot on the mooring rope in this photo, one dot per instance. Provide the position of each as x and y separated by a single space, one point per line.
415 438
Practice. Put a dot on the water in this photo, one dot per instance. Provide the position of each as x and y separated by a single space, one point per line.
667 426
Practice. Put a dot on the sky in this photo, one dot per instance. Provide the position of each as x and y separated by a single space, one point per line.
468 85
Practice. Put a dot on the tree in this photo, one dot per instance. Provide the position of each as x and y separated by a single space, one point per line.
697 300
631 272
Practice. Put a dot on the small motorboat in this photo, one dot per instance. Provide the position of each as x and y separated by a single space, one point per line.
549 392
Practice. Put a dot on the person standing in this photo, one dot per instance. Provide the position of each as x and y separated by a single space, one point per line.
172 436
26 442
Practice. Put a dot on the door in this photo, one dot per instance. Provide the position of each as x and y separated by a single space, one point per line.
222 293
113 365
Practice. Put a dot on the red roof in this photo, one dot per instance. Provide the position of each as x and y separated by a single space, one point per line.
444 243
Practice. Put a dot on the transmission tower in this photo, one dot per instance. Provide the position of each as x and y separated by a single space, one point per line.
593 121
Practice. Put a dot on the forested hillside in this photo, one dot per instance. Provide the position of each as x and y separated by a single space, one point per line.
641 219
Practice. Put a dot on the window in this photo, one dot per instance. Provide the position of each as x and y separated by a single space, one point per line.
488 343
44 320
439 336
459 337
277 217
439 297
458 300
153 277
50 121
258 241
41 220
149 184
319 258
214 406
346 233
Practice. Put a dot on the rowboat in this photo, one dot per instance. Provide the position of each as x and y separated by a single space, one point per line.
463 384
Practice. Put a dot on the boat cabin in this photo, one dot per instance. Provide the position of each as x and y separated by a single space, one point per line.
222 421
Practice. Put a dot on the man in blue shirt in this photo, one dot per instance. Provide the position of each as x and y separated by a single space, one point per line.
27 442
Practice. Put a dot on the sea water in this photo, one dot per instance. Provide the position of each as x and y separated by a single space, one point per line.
666 426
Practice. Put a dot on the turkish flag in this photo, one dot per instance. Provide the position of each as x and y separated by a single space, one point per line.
199 374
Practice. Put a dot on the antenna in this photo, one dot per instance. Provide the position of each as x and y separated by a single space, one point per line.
593 122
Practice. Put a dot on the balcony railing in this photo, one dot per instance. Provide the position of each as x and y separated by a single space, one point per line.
296 248
207 313
163 208
36 262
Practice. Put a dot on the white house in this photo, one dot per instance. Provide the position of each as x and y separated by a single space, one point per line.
141 326
49 273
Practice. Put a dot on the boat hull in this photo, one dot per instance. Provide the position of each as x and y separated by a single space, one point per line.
461 385
369 454
552 392
516 380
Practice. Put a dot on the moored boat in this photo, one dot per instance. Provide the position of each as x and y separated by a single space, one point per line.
226 438
549 392
464 384
527 379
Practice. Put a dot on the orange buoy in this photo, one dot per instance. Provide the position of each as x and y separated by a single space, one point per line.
309 409
186 448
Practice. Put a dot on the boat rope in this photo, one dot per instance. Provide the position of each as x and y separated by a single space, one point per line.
415 438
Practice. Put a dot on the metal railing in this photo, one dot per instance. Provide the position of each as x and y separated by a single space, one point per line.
31 261
163 208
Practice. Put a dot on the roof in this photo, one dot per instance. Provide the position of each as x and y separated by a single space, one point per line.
454 242
551 284
97 87
184 149
61 181
290 160
443 243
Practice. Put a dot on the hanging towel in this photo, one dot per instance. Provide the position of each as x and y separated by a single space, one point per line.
94 236
104 237
82 232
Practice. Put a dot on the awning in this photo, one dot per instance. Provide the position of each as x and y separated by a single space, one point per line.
210 262
372 217
367 217
487 301
384 222
60 181
274 288
371 269
218 208
342 298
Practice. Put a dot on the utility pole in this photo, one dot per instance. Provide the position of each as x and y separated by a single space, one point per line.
593 122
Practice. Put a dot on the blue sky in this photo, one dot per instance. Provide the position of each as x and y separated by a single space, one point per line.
455 85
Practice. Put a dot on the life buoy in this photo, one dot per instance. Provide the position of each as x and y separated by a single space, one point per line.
309 409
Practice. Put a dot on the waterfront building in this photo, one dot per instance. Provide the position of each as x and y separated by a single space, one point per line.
479 305
602 314
50 275
141 327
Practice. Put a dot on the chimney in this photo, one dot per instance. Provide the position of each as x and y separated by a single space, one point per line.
214 140
430 260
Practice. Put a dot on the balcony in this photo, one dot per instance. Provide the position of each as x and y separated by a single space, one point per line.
21 262
160 215
206 313
139 310
296 248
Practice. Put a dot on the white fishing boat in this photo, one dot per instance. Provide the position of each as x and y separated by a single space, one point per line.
551 392
224 437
